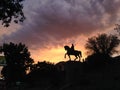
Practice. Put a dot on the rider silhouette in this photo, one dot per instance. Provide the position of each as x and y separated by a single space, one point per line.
72 48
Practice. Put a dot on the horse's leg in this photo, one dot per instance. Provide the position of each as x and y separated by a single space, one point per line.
75 58
65 55
69 57
79 57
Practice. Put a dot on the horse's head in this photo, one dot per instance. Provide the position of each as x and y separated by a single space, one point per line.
66 47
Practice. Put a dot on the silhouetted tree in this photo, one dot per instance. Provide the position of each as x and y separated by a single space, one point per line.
102 44
45 74
18 61
10 9
42 65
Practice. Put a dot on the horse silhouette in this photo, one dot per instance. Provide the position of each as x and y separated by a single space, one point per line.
76 53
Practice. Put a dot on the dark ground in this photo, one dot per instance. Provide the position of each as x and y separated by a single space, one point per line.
74 75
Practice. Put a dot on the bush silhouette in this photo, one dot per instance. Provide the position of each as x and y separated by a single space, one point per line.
44 74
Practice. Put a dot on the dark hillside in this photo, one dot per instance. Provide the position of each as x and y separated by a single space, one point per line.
73 75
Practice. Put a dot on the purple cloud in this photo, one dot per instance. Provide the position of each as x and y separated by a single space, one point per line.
54 21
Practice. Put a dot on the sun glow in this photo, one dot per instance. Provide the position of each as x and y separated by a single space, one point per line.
54 55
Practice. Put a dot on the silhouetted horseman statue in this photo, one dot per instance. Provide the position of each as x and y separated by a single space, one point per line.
71 51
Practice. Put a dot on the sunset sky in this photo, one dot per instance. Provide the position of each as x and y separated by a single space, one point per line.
51 24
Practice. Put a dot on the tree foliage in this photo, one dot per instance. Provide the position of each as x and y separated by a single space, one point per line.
44 74
102 44
11 9
18 61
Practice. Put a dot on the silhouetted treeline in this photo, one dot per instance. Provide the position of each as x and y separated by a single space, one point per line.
45 74
74 74
96 72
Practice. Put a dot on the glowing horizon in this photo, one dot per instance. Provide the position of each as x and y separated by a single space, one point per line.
55 55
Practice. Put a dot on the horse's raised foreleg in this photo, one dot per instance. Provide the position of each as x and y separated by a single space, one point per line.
65 55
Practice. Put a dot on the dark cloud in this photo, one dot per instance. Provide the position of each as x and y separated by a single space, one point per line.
54 21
